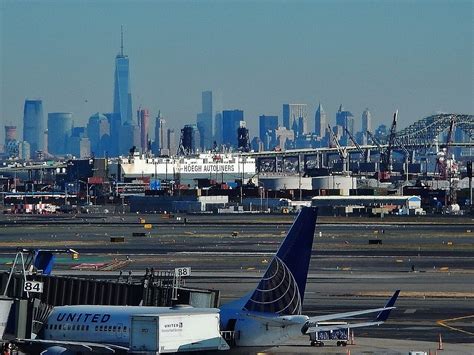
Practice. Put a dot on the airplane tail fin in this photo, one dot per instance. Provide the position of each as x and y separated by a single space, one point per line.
383 315
281 289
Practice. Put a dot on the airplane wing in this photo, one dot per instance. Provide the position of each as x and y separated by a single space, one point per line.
347 314
311 326
70 345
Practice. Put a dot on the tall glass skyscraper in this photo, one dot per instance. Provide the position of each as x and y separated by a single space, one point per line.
366 121
295 117
33 124
59 131
204 121
320 122
122 91
230 123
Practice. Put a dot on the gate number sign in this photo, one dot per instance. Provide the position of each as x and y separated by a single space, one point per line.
33 286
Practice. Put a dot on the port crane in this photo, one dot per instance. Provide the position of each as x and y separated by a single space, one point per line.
343 154
363 153
386 163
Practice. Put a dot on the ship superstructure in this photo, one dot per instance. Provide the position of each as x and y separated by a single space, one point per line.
217 166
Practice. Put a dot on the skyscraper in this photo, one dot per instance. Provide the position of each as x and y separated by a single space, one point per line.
366 121
230 123
266 123
33 124
293 115
122 92
204 121
59 132
143 120
345 119
320 121
160 135
98 131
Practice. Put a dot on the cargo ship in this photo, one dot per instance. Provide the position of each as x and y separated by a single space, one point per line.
214 166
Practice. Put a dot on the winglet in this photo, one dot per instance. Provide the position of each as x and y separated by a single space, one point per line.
383 315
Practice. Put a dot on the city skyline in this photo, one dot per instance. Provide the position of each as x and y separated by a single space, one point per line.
72 69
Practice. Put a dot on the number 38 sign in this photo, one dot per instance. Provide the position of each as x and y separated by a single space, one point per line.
33 286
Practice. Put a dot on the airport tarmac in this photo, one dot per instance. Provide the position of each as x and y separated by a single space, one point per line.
431 263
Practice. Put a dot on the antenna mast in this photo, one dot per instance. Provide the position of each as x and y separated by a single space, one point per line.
121 40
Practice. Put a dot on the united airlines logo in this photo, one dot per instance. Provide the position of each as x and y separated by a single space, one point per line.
277 292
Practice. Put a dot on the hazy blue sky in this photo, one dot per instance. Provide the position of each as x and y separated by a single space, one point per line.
415 56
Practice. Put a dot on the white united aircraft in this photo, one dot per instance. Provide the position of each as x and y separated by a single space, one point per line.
267 316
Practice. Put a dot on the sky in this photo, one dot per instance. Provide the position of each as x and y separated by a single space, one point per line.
414 56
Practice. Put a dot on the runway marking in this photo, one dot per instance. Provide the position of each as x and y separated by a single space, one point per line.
442 323
410 311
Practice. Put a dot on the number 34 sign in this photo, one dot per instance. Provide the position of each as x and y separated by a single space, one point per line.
33 286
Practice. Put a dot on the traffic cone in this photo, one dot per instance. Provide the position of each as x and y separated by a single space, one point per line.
440 343
348 352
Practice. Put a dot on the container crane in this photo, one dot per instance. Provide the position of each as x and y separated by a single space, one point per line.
342 151
365 153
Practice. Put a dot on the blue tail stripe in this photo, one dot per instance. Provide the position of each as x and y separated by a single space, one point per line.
281 290
296 249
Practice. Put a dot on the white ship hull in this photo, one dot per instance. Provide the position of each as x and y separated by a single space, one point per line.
212 166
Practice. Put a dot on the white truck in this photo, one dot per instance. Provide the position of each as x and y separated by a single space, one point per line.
183 330
339 336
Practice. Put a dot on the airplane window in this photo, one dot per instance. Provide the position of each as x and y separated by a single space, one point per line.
87 328
110 328
69 327
100 328
125 328
55 326
114 328
96 328
119 328
59 327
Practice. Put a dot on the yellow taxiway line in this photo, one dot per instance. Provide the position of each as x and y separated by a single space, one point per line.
444 321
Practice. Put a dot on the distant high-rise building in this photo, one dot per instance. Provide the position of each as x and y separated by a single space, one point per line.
143 120
320 121
11 146
381 132
218 128
187 143
98 131
122 91
204 121
366 121
160 135
171 141
10 134
33 124
243 141
129 137
266 124
59 131
284 137
79 144
230 123
294 116
345 119
115 131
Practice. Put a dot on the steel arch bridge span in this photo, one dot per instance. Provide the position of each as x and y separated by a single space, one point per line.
426 130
